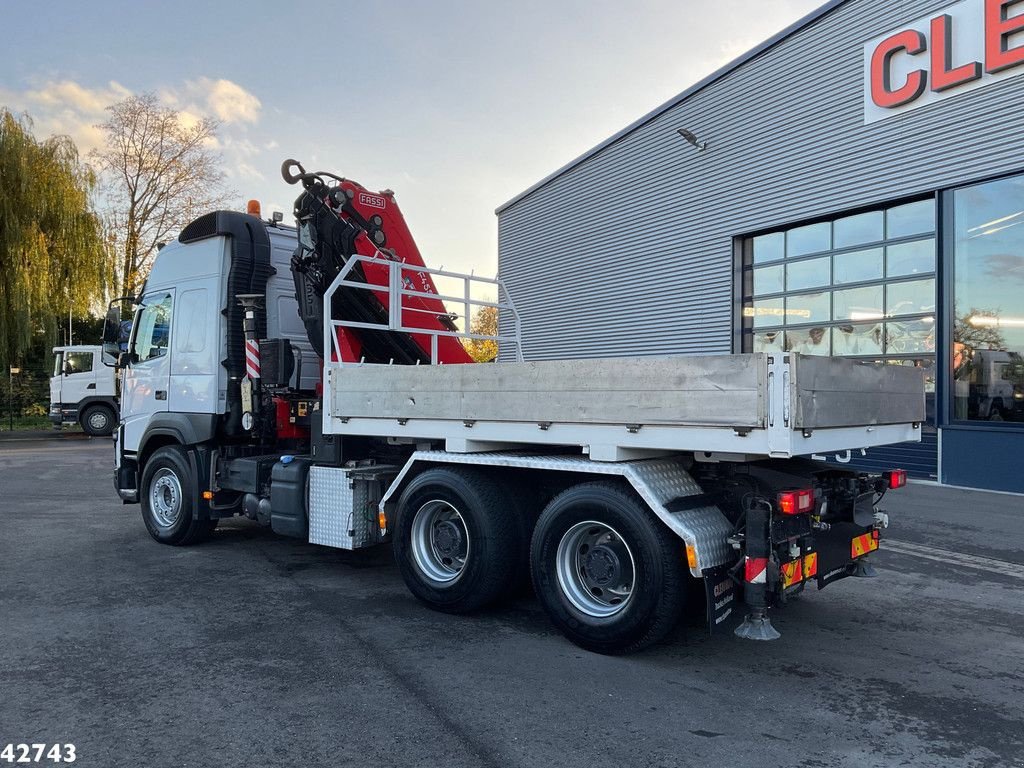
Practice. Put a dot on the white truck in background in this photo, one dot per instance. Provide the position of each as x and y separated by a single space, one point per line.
83 390
998 385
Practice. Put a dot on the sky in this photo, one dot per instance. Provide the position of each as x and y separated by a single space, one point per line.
455 105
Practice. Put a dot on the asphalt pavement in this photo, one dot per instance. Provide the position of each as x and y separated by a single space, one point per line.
254 650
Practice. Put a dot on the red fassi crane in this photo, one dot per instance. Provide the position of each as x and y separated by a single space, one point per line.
338 219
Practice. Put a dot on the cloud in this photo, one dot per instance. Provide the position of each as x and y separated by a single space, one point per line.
67 108
226 100
1005 266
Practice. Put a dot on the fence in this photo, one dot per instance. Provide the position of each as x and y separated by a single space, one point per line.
25 396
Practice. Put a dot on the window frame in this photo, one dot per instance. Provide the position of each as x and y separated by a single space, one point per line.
947 296
147 301
69 354
745 268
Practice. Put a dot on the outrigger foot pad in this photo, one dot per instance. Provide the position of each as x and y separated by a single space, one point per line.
864 570
757 626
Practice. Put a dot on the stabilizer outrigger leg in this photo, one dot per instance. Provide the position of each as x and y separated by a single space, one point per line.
757 626
862 569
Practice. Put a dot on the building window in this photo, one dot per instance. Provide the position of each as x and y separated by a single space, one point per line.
860 285
988 301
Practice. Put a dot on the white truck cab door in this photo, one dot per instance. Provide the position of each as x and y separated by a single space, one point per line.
74 379
56 381
147 377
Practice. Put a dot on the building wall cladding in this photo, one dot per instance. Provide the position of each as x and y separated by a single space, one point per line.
631 251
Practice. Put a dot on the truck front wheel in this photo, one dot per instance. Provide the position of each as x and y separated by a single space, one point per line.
607 572
457 539
98 421
169 499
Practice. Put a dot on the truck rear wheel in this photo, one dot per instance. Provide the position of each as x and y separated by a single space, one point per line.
98 420
169 498
457 540
607 572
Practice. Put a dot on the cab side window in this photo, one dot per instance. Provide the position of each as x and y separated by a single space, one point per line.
77 362
153 329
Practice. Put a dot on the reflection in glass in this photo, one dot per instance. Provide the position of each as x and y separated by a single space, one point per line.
769 247
929 367
859 339
858 230
913 258
807 308
911 219
858 303
810 239
857 266
988 322
909 337
810 341
910 298
770 341
808 274
769 280
766 312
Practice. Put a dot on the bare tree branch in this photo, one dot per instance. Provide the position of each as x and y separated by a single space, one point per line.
156 172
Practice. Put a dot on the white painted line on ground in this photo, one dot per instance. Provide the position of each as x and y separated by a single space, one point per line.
978 563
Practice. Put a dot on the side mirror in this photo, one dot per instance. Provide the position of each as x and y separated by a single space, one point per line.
111 352
116 332
112 324
124 359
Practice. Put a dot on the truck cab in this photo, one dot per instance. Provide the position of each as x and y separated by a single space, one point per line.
180 372
82 390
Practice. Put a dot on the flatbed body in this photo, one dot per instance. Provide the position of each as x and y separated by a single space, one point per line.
752 405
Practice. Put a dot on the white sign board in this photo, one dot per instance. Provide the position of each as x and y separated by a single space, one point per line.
966 46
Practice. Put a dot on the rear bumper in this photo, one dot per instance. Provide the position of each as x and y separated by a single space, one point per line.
840 550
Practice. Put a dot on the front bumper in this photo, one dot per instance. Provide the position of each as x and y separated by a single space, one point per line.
60 416
126 481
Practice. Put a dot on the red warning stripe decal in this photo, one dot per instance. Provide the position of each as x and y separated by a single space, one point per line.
756 570
861 545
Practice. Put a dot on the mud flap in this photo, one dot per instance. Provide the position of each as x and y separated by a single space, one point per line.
835 556
722 595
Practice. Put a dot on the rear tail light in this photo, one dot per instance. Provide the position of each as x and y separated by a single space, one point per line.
796 502
897 478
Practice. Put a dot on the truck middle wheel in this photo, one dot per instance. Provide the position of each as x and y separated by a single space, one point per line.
458 541
607 572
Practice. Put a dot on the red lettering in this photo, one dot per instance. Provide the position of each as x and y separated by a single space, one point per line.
882 91
944 76
999 27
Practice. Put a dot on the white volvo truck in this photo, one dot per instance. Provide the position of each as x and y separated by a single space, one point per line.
82 390
313 379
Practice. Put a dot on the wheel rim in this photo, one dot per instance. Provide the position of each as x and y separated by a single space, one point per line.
440 541
98 420
596 570
165 498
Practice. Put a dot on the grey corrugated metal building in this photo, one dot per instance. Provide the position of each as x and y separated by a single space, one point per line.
860 194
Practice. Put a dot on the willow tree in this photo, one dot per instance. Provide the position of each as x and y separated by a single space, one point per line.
159 171
52 250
